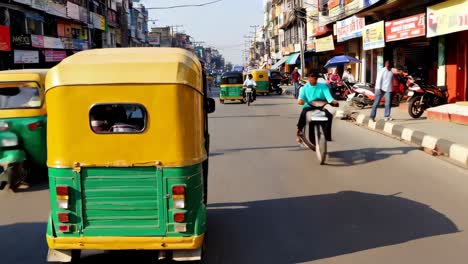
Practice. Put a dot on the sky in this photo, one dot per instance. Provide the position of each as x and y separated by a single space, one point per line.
222 25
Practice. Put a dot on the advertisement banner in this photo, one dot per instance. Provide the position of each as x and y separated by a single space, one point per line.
5 44
98 21
25 56
57 9
52 43
37 41
447 17
373 36
40 4
54 55
405 28
370 2
324 44
154 40
350 28
21 41
79 44
67 43
73 10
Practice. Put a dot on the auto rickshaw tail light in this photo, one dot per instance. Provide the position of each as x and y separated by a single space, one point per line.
179 217
64 228
178 196
62 196
35 125
178 190
63 217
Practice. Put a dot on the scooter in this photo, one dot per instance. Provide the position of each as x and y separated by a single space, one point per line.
423 96
248 94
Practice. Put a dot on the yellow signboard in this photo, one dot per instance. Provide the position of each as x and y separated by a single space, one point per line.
447 17
324 44
373 36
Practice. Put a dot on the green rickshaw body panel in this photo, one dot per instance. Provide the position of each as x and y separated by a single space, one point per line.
230 91
32 141
12 156
130 202
262 86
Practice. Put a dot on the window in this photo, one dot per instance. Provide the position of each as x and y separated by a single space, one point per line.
117 118
19 95
34 26
231 80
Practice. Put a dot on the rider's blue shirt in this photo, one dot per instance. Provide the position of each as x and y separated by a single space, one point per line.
319 92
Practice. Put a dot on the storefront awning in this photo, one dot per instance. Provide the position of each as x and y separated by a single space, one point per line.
292 59
279 63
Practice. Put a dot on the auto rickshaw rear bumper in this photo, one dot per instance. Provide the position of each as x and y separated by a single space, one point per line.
125 243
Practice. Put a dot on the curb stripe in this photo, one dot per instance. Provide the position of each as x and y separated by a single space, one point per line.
459 153
406 134
429 142
388 128
418 137
397 130
444 145
360 119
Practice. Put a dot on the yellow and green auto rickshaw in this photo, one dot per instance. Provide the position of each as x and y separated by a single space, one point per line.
128 153
22 128
263 83
231 87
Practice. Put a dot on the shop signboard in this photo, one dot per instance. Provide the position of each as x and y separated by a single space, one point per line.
54 55
37 41
40 4
21 41
5 44
336 8
25 56
154 40
373 36
98 21
73 10
324 44
350 28
447 17
368 3
52 43
79 44
57 9
405 28
67 43
84 15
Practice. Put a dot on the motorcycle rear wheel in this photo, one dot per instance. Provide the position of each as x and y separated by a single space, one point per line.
415 109
321 141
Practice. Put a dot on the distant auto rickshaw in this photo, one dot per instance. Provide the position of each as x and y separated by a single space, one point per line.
22 127
275 82
261 78
128 148
231 87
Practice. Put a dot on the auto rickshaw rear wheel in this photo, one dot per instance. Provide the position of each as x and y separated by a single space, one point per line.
17 174
75 256
221 101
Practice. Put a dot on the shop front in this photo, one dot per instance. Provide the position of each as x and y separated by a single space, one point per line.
373 51
349 34
449 21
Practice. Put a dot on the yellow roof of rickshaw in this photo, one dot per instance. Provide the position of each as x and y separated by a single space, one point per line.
24 75
128 66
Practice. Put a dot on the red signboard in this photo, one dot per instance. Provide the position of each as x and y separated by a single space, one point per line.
333 3
321 30
5 44
54 55
405 28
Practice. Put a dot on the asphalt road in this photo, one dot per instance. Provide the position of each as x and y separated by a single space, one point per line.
376 200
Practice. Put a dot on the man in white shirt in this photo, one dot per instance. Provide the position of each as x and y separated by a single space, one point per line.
383 85
250 82
348 76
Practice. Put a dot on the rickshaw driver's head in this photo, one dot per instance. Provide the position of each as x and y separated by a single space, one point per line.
250 76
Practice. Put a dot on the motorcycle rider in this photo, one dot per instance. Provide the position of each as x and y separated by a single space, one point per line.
314 91
250 82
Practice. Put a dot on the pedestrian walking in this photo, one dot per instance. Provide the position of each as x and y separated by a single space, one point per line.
295 79
383 87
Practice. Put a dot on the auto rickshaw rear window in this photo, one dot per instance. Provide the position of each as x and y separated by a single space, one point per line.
118 118
19 96
231 80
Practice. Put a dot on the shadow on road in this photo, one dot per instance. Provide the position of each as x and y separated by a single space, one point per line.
302 229
23 243
243 116
362 156
225 151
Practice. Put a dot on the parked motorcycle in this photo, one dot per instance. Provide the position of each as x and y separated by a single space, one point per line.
285 79
424 96
274 82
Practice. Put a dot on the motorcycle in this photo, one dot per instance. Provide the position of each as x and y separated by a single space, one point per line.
342 90
248 94
423 96
315 130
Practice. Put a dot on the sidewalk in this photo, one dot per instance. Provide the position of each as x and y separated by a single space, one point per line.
439 137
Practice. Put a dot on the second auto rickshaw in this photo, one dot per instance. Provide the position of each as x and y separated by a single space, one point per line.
231 87
128 153
261 78
22 127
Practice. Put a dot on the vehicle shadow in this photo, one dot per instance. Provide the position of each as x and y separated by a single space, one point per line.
356 157
225 151
302 229
23 243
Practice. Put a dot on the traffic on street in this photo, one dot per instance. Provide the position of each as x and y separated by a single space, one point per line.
333 132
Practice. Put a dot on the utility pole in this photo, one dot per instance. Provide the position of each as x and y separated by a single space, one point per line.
301 35
255 40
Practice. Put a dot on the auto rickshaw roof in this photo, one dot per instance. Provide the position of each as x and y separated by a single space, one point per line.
232 74
128 66
38 75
